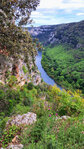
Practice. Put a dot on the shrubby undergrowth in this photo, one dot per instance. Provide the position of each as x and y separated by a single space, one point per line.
49 103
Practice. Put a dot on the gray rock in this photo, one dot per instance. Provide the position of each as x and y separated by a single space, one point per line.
58 118
63 117
25 119
17 146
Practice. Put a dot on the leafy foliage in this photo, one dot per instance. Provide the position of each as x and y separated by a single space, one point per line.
17 9
9 134
12 39
51 133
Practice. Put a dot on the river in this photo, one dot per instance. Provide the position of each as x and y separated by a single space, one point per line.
44 75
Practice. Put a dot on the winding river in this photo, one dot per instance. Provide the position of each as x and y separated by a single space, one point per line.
44 75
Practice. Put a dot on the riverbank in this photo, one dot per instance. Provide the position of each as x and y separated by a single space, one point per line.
44 75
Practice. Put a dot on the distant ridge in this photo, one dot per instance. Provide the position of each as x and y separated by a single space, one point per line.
69 33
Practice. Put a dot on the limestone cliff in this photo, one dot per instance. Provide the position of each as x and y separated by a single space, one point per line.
23 68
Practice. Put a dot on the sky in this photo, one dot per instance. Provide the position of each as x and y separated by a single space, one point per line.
51 12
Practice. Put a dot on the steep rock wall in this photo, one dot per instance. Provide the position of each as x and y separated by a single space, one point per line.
23 69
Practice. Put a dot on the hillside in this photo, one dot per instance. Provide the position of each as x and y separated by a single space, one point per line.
71 33
34 115
64 59
37 116
66 67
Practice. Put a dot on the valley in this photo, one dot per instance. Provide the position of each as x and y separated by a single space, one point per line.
63 54
41 87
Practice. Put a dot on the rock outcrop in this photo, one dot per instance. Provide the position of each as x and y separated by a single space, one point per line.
25 119
17 146
23 69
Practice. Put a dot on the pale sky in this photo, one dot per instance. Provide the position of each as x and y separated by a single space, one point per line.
50 12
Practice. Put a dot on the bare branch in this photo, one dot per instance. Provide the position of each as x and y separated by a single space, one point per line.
1 11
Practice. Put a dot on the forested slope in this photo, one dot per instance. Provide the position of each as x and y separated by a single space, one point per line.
65 66
64 59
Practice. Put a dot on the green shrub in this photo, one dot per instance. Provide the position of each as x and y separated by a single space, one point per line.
30 86
28 101
21 109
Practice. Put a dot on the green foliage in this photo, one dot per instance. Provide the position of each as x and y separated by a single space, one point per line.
49 131
8 73
9 98
66 103
38 108
8 10
12 81
21 109
24 69
65 66
30 86
9 134
13 40
36 133
2 123
28 100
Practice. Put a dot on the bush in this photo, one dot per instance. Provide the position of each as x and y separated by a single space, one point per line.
30 86
28 101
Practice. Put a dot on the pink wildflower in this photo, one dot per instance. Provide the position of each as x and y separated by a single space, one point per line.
56 114
49 115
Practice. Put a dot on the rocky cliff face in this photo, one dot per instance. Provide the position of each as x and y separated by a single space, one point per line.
71 33
23 69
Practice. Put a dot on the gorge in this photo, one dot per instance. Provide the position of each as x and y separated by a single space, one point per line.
36 112
63 57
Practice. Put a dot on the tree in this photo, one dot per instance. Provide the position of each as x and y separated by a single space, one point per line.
12 38
19 10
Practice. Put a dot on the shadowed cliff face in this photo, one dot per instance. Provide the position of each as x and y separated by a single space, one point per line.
71 34
24 71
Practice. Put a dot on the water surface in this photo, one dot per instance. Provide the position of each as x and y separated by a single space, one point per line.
44 75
